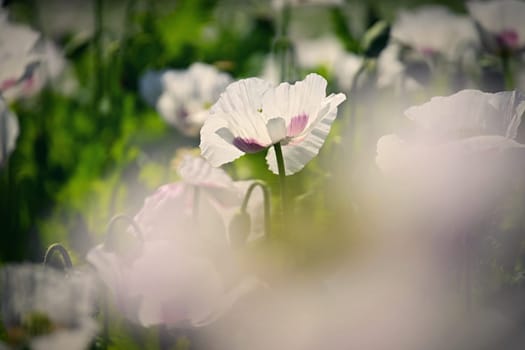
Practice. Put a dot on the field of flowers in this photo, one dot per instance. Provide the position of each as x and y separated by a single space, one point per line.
262 174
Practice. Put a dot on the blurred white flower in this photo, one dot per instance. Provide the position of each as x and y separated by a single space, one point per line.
184 271
458 155
320 52
501 22
434 29
347 66
8 131
187 95
392 72
279 4
252 115
18 57
44 309
52 70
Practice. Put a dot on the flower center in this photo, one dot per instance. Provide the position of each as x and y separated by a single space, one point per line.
508 39
428 52
297 125
247 145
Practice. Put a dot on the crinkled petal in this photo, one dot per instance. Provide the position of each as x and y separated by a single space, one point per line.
297 154
240 106
217 149
288 101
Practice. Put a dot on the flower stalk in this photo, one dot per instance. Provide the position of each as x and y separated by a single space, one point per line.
57 248
508 77
125 218
282 180
266 200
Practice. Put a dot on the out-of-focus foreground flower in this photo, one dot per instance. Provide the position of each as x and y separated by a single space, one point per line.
457 153
252 115
182 271
44 309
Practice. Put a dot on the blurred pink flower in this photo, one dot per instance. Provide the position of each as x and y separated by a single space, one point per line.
184 271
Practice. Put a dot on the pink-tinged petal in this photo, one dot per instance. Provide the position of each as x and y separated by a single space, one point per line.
217 142
297 154
297 125
247 145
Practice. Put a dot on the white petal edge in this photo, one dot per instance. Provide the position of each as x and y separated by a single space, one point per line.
296 156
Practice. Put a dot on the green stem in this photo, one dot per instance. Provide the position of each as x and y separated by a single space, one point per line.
58 248
282 180
266 199
3 129
125 218
507 72
282 47
97 54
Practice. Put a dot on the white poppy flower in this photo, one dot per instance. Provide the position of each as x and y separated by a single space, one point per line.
187 96
252 115
502 20
433 29
184 272
17 55
10 122
46 309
